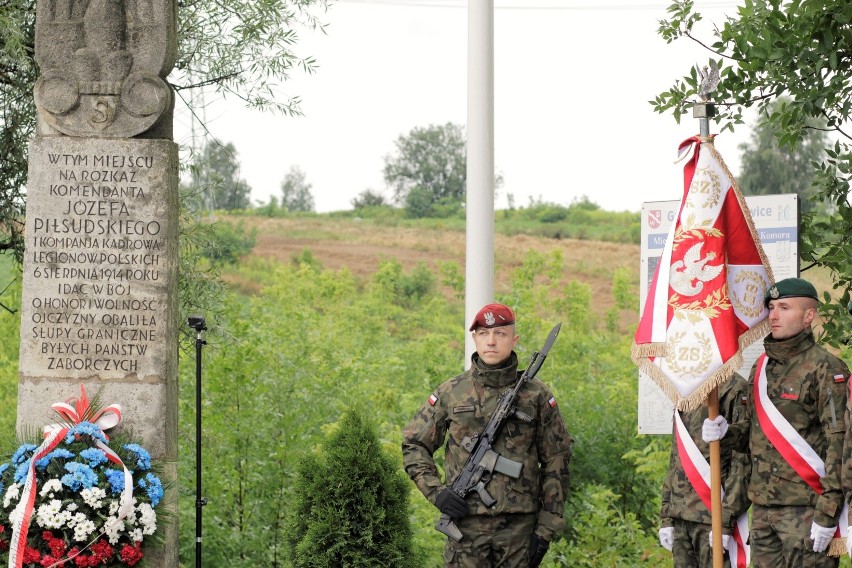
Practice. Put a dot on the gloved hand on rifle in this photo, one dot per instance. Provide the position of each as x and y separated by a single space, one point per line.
538 548
451 504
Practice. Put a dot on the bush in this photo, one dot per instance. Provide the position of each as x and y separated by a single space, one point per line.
607 537
351 503
230 242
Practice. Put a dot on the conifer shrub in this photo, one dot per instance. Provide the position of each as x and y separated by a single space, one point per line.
350 504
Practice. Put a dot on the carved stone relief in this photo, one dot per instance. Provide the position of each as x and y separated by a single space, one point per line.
103 65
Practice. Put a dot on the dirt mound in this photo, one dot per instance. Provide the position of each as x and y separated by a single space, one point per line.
362 247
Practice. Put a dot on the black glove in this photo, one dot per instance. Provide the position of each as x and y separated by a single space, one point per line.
538 548
449 502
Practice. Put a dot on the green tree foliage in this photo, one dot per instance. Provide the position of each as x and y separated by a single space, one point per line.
404 289
243 49
428 167
605 535
18 74
802 51
239 48
582 219
10 341
351 502
296 192
229 242
215 180
770 169
368 198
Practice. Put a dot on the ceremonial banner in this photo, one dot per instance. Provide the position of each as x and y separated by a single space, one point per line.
705 302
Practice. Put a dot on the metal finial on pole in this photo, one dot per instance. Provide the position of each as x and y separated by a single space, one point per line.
705 110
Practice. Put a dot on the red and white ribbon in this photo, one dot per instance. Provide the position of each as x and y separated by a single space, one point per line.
107 418
698 473
793 448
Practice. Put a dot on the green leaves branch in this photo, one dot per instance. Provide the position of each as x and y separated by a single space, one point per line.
802 51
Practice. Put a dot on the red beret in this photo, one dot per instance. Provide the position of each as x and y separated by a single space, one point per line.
493 315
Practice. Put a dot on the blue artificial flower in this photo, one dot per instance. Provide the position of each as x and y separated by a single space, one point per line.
87 429
22 471
4 467
94 456
20 454
151 483
116 480
143 458
79 476
57 453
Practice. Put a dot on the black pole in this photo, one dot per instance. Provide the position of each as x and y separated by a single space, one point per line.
197 323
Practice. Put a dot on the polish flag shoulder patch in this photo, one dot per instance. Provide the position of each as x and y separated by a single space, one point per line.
432 399
840 378
552 402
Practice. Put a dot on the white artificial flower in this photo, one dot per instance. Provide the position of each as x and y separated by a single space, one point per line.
93 497
83 529
12 492
113 528
16 514
148 518
50 487
49 515
72 506
136 535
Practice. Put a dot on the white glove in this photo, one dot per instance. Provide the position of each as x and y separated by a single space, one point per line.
667 538
821 536
715 429
725 539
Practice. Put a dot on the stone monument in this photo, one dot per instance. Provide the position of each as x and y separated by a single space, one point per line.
99 304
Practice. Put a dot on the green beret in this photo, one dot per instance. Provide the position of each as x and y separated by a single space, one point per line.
790 288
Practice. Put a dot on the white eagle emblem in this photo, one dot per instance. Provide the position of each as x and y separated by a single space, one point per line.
489 318
691 269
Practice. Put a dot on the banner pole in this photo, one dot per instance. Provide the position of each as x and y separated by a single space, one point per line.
715 484
704 111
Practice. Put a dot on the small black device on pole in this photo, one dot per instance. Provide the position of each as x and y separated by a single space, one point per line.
198 324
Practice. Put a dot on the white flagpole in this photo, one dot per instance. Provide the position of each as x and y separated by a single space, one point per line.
479 249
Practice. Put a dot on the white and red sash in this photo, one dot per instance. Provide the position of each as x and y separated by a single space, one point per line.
793 448
698 473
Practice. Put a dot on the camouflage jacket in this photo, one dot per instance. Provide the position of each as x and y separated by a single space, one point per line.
461 407
808 386
680 501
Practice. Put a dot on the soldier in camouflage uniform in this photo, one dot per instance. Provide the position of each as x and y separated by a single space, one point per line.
792 523
517 530
685 522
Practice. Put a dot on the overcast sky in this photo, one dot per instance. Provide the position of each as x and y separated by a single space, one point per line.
572 83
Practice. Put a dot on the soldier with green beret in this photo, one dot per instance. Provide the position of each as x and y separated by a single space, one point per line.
517 530
794 432
685 518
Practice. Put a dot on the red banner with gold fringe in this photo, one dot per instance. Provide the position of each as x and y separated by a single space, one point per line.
705 302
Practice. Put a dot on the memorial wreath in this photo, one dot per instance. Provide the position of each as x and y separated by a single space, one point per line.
78 499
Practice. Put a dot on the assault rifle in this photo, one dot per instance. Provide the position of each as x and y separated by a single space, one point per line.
483 461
